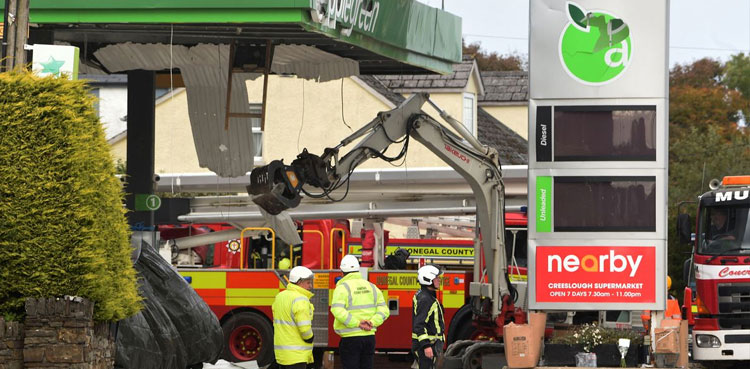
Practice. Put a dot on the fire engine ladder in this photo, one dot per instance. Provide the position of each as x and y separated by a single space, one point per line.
420 192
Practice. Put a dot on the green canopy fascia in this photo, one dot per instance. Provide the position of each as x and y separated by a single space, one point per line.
404 30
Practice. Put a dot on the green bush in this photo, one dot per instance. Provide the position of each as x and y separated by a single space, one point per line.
62 225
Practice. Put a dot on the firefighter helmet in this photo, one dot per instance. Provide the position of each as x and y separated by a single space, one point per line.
349 263
427 274
299 273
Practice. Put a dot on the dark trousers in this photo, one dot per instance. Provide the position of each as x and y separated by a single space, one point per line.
424 361
357 352
294 366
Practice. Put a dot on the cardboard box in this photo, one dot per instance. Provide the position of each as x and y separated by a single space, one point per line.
328 360
521 346
538 321
667 340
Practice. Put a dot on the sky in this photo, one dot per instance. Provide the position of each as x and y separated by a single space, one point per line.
698 28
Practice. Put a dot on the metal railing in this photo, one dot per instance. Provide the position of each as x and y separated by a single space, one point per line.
273 245
343 245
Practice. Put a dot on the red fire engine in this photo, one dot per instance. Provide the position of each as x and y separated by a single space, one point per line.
241 293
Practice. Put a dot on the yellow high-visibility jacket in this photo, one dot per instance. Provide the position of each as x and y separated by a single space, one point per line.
292 326
354 300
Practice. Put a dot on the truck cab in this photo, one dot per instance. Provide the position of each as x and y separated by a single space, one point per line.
720 272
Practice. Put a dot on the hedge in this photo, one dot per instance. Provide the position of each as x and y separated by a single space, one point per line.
63 229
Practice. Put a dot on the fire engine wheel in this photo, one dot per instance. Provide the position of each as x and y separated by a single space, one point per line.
473 356
248 336
462 328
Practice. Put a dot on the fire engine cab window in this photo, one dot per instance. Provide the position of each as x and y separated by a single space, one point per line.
723 230
604 204
601 133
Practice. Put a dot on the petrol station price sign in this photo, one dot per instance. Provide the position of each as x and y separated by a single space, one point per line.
598 113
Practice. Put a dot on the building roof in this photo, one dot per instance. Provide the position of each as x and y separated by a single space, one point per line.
505 88
377 84
512 148
455 81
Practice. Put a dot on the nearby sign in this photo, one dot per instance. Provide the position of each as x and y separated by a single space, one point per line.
147 202
609 274
55 60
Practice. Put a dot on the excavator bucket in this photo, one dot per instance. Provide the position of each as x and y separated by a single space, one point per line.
274 187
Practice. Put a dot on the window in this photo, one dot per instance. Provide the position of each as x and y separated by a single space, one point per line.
469 112
257 132
723 230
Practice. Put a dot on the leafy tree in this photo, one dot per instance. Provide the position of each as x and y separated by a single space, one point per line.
738 76
492 61
62 224
699 97
705 72
702 107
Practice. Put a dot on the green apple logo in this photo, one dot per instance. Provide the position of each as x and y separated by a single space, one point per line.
595 47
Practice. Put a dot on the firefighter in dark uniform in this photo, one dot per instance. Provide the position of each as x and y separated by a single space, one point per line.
427 320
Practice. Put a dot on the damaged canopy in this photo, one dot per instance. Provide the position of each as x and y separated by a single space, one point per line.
314 39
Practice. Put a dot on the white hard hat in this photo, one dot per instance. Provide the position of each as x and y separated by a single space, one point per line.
349 263
427 273
299 273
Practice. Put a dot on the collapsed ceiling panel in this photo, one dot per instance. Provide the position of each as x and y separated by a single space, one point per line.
226 150
311 63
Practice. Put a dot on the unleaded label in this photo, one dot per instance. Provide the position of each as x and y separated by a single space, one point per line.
543 204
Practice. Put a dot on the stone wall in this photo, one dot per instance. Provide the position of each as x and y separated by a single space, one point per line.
60 333
11 345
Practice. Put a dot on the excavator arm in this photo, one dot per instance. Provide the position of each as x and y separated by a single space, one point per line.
276 187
